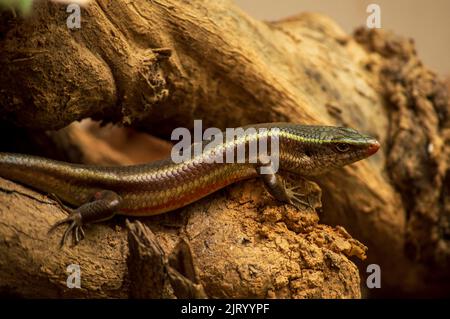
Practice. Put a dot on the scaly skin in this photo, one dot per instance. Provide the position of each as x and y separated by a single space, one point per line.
159 187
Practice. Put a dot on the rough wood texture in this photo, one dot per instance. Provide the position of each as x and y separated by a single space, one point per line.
228 69
244 247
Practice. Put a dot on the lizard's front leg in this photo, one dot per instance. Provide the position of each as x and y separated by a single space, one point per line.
276 186
104 206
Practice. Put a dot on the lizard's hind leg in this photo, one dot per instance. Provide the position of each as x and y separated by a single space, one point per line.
104 206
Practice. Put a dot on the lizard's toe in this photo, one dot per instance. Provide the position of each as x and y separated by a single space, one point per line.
295 198
74 225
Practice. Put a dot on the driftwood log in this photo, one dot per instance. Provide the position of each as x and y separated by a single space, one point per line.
156 65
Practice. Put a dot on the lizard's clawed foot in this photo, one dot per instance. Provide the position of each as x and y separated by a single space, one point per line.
75 224
295 197
103 206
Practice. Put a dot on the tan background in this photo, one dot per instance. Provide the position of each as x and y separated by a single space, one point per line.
426 21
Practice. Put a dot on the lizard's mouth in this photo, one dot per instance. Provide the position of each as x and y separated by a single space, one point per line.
374 146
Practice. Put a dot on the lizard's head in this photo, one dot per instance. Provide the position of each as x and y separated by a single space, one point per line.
318 149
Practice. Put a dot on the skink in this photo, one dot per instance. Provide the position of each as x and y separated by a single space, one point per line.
148 189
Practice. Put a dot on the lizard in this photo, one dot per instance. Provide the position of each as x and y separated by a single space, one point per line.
101 192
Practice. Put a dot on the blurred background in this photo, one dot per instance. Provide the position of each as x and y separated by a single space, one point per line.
426 21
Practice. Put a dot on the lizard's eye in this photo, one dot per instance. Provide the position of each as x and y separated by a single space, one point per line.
342 147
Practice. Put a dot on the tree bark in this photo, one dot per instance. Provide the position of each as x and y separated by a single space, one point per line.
229 70
243 245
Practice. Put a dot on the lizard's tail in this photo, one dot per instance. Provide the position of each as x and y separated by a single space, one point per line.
48 176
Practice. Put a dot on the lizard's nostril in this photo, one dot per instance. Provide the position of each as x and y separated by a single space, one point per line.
374 146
